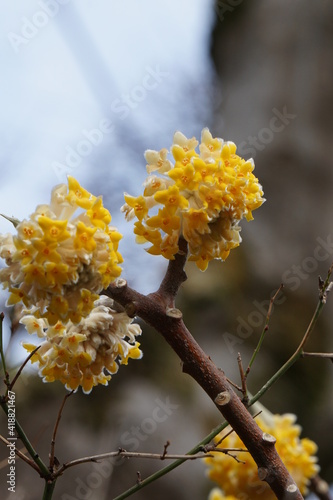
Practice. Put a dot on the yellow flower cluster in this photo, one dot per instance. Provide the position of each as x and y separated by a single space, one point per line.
238 480
88 353
62 257
202 197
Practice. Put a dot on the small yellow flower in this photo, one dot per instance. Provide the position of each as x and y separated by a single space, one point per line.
25 251
54 230
78 196
171 199
164 220
157 161
138 205
202 197
144 234
27 230
84 237
99 215
241 479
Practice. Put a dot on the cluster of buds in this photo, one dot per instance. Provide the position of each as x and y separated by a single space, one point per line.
201 196
58 263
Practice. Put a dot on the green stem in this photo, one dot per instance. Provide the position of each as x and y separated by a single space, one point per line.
34 455
264 331
49 489
3 361
172 466
297 354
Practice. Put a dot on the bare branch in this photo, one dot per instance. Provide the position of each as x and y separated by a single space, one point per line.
152 309
52 457
328 355
133 454
21 455
320 488
243 380
11 385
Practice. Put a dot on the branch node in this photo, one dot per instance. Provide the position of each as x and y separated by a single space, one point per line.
172 312
268 438
292 488
167 444
120 283
131 309
223 398
262 473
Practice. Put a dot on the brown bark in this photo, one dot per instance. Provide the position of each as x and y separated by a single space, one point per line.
157 309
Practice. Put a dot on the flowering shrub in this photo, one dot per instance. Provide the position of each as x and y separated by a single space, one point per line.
60 269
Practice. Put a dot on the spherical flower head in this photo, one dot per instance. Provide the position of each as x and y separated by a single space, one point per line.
88 353
200 196
236 479
63 256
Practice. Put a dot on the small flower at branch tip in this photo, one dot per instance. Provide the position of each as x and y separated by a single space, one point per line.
236 479
88 353
200 196
63 256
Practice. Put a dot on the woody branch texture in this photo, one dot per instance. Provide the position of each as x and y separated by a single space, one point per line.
157 309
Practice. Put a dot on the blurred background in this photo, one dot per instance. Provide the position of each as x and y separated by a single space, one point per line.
85 88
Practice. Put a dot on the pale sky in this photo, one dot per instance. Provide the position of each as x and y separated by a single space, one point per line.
70 69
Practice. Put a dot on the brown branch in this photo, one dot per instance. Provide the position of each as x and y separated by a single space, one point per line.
53 459
320 488
328 355
11 385
134 454
21 455
243 380
175 276
153 310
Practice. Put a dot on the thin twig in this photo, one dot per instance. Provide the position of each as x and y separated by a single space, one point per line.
43 470
166 446
264 331
328 355
2 354
11 385
131 454
320 488
324 288
56 429
243 379
20 454
234 385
